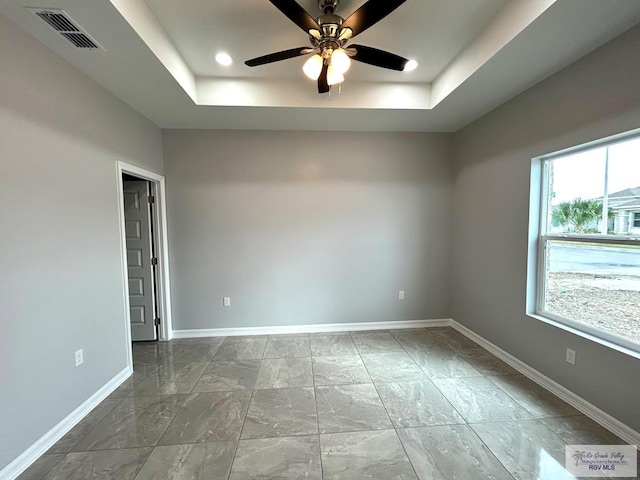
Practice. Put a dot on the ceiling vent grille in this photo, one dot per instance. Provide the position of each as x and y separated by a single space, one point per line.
62 23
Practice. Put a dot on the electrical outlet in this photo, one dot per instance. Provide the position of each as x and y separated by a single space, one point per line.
401 295
79 357
571 356
226 301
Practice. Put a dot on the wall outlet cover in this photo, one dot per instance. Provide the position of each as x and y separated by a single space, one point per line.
571 356
79 357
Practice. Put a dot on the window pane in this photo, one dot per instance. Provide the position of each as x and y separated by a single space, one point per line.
576 189
624 188
595 284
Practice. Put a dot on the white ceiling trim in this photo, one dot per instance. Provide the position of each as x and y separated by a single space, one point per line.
510 21
147 26
245 92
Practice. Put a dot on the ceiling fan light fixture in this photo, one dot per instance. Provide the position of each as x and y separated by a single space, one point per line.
410 66
313 67
224 59
315 33
345 34
340 61
334 77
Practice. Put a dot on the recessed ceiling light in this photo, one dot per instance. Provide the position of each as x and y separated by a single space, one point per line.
411 66
224 59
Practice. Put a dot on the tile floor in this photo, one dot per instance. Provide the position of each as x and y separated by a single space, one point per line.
390 405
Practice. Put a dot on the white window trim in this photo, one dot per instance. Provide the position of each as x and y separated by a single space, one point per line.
535 308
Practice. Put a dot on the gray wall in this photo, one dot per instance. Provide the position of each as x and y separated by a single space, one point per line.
307 228
596 97
61 285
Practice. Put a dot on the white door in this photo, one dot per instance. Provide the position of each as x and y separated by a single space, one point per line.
137 217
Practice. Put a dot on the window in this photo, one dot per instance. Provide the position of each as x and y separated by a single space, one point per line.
589 242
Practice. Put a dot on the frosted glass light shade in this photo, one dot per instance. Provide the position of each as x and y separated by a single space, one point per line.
313 67
411 66
334 77
340 61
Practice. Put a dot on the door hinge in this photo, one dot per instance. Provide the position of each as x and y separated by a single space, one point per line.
154 261
151 199
156 322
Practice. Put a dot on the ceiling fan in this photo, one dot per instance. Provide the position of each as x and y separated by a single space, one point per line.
329 35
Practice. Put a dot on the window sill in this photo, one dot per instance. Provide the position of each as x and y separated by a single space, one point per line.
585 335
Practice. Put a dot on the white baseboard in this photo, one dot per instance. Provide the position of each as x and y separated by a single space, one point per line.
31 454
603 418
319 328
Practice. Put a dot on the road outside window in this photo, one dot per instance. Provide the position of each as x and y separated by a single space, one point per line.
589 258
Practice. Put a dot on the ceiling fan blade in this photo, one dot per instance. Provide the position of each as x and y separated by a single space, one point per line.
369 14
296 14
278 56
323 83
378 58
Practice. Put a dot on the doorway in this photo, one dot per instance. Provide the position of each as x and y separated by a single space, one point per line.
139 212
142 211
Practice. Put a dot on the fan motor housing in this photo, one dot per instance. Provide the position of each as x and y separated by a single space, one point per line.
328 6
330 24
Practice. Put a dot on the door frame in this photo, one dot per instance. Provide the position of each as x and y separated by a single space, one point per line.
162 250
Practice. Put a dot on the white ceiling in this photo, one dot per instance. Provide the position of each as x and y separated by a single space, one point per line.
473 56
432 32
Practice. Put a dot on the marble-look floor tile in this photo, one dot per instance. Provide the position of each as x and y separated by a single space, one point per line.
208 346
202 461
339 370
364 455
350 408
416 404
486 363
134 422
285 373
527 448
192 352
238 348
581 430
443 364
141 372
88 423
101 465
331 345
41 467
400 331
366 332
283 458
537 400
281 412
281 346
170 379
392 367
453 339
449 452
421 341
149 352
379 342
208 417
226 375
479 400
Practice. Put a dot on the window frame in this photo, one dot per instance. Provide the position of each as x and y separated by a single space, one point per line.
543 238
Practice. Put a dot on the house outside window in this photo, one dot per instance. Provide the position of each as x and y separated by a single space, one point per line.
589 243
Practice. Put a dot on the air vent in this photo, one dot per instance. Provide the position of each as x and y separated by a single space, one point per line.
63 24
